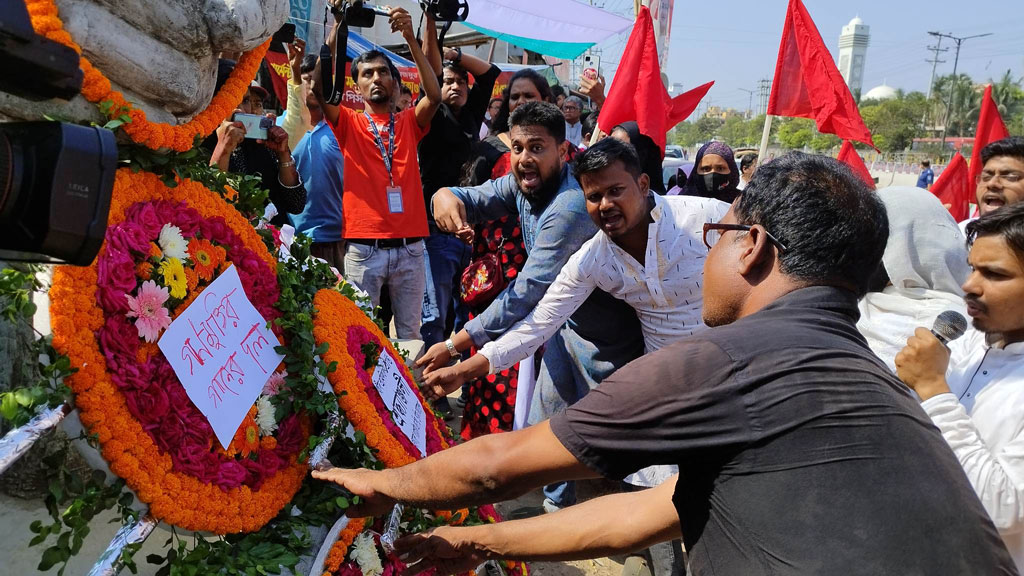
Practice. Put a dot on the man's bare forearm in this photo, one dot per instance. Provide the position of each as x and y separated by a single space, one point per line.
614 524
484 470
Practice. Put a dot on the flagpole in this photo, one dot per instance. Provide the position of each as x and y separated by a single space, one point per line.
764 139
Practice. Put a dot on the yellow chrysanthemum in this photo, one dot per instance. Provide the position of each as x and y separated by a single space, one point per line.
174 277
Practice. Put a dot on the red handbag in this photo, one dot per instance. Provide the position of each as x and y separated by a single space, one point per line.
484 278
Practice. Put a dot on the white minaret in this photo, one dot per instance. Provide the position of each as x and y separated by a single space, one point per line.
853 48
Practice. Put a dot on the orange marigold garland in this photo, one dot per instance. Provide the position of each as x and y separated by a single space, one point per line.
346 328
335 320
96 88
79 301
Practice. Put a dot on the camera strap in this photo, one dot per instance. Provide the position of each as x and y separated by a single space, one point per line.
333 80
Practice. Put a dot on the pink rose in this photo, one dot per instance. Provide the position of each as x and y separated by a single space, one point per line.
144 214
116 279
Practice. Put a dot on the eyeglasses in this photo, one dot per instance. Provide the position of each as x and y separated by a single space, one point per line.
1008 177
713 231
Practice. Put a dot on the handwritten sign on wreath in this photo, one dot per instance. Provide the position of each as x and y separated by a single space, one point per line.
405 407
222 352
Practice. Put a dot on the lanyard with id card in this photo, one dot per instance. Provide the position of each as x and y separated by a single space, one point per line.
394 193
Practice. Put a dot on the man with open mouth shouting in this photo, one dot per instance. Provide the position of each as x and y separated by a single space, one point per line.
604 333
1001 181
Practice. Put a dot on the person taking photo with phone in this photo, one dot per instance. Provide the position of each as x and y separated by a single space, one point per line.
259 150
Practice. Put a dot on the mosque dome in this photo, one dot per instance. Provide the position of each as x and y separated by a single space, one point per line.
882 92
856 21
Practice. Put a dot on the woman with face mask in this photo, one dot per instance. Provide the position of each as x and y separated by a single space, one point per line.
714 173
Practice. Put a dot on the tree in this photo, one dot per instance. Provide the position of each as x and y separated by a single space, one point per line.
895 123
685 134
1009 98
796 133
963 114
707 127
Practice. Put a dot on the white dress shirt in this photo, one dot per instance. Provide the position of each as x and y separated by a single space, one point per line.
665 291
982 420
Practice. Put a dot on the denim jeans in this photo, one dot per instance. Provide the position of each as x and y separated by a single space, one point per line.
444 260
370 267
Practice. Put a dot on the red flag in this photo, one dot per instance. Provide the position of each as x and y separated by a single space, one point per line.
637 92
955 188
280 72
990 129
807 83
851 158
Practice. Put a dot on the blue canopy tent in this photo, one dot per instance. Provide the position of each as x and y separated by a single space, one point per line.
357 45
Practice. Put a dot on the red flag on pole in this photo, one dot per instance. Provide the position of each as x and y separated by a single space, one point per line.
990 129
637 92
807 83
849 156
955 188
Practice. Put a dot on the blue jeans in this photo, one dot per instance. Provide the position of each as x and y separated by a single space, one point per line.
401 268
445 258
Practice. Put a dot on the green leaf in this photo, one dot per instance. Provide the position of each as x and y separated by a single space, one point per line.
51 556
8 406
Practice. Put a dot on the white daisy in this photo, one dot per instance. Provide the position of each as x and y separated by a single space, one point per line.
265 417
172 243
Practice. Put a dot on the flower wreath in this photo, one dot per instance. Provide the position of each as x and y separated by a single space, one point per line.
358 553
162 247
155 135
351 336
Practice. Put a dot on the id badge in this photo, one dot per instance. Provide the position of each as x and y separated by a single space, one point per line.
394 199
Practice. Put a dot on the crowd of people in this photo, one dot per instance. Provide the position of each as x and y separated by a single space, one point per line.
749 350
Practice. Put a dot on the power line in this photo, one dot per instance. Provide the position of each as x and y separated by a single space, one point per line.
952 92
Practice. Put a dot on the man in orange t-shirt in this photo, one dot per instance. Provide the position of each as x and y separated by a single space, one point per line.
385 220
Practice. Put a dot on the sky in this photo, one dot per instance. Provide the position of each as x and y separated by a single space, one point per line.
735 43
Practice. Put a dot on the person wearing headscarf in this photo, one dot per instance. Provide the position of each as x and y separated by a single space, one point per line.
924 264
714 173
649 152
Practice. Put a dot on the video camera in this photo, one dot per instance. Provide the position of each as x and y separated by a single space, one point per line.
56 178
357 13
361 14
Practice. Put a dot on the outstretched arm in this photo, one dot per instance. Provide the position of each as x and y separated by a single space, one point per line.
486 469
614 524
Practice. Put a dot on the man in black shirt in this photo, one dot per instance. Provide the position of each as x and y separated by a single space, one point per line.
442 152
799 452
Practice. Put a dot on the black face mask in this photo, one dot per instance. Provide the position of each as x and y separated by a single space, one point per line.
712 182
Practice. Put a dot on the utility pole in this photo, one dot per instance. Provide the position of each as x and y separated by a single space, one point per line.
935 61
764 88
952 88
750 102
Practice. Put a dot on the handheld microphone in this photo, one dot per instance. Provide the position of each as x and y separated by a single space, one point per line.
949 326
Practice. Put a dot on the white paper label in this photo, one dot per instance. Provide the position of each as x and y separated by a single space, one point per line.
398 396
222 352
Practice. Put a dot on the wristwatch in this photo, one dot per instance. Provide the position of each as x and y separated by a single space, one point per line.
458 55
455 354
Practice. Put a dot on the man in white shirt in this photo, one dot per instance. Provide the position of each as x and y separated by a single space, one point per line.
649 253
572 108
974 392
